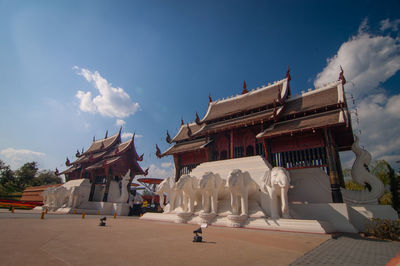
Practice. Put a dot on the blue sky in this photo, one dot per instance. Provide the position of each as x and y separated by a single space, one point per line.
70 70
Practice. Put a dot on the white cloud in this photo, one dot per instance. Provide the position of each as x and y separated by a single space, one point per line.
17 157
166 165
86 103
367 60
380 125
392 25
363 26
111 101
127 135
120 122
157 172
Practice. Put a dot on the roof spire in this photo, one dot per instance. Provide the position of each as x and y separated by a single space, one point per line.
94 138
168 138
67 163
288 74
197 119
182 123
341 76
133 136
244 91
77 153
189 131
120 129
209 98
158 152
106 134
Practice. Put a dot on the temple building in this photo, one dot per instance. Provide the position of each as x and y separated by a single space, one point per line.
105 160
294 132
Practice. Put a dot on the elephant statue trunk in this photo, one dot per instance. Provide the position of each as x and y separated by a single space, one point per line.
277 182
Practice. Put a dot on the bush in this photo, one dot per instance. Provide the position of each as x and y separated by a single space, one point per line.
383 229
386 199
352 185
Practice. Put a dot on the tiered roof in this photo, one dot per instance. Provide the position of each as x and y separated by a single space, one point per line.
248 101
105 153
270 105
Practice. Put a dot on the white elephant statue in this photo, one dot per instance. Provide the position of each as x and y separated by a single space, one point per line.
276 183
168 186
210 184
239 184
188 186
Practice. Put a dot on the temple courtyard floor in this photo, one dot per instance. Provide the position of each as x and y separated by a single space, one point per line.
26 239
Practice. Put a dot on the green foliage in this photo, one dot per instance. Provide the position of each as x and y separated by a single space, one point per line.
386 199
25 175
383 229
46 177
386 174
12 182
381 169
351 185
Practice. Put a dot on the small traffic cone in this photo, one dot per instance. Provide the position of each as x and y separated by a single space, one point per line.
115 215
83 215
42 216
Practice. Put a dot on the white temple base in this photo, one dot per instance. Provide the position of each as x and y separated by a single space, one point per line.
103 208
292 225
307 218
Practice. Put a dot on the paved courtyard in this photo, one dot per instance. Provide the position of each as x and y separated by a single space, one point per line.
71 240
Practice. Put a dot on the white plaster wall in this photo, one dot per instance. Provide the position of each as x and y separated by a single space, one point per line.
310 185
98 192
113 191
255 165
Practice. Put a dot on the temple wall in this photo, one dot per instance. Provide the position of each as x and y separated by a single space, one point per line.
195 157
289 143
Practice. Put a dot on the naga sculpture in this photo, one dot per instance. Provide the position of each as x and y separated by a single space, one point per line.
210 185
239 184
124 188
188 185
276 183
361 175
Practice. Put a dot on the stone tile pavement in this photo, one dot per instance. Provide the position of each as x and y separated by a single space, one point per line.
350 249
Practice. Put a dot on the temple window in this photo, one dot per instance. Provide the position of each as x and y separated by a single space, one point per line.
260 149
238 152
250 150
214 156
223 155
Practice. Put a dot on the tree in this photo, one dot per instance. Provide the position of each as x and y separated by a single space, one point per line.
386 174
25 175
7 179
46 177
